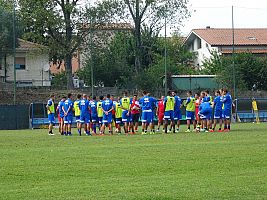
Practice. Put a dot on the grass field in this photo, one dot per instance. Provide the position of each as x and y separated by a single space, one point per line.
176 166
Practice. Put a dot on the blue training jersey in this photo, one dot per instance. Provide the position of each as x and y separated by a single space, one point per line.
93 105
107 104
68 107
205 106
60 110
218 103
147 103
178 102
84 105
227 100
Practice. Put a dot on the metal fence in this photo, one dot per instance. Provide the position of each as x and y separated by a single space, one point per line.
14 117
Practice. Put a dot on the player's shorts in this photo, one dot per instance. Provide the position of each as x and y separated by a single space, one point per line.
169 115
147 116
100 119
135 118
94 118
160 117
205 114
85 119
125 117
68 119
218 114
118 120
78 118
190 115
227 114
51 118
107 119
177 115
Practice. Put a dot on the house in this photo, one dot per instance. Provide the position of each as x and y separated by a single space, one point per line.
31 64
206 41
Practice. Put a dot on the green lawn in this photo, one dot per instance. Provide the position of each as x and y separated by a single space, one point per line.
175 166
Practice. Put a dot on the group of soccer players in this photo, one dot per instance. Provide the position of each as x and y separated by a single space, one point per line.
94 115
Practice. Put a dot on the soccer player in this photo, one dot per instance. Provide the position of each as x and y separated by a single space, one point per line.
177 110
147 104
205 112
77 113
190 110
84 106
135 112
61 115
227 101
51 113
160 112
94 118
100 111
68 113
107 107
197 104
125 103
118 115
169 103
217 105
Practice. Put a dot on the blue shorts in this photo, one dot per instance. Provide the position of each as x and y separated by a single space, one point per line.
107 119
205 114
85 119
126 118
51 118
227 114
94 118
68 119
218 114
190 115
169 115
78 118
147 116
118 120
61 115
100 119
177 115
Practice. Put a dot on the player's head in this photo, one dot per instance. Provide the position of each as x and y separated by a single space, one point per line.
84 96
207 92
52 96
94 97
189 93
89 98
125 93
217 93
162 97
144 92
203 94
108 96
101 97
79 96
119 98
63 98
225 91
112 97
197 95
169 93
135 97
69 96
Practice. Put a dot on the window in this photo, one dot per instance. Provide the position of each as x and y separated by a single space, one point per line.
20 63
1 65
199 43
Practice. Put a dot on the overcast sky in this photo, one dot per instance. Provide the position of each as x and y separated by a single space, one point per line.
218 14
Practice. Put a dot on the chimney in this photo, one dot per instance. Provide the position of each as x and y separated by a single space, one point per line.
207 27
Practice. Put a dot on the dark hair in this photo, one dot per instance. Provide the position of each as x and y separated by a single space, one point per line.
197 93
108 96
175 91
64 97
144 92
218 92
69 95
52 95
125 93
169 92
207 91
135 95
101 97
225 90
94 97
190 92
79 96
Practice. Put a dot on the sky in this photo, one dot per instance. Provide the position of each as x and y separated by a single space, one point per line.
218 14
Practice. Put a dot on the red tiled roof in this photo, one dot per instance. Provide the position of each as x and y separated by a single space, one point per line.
224 36
23 44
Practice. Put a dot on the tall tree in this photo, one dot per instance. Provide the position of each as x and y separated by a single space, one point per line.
150 13
54 23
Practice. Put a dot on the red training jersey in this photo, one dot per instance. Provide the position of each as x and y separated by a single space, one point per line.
135 107
161 108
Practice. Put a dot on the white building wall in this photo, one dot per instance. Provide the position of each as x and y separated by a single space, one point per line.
36 72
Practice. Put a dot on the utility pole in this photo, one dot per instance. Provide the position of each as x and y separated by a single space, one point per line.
233 54
14 53
165 55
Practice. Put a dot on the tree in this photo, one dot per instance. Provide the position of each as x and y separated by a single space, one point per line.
140 13
54 23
